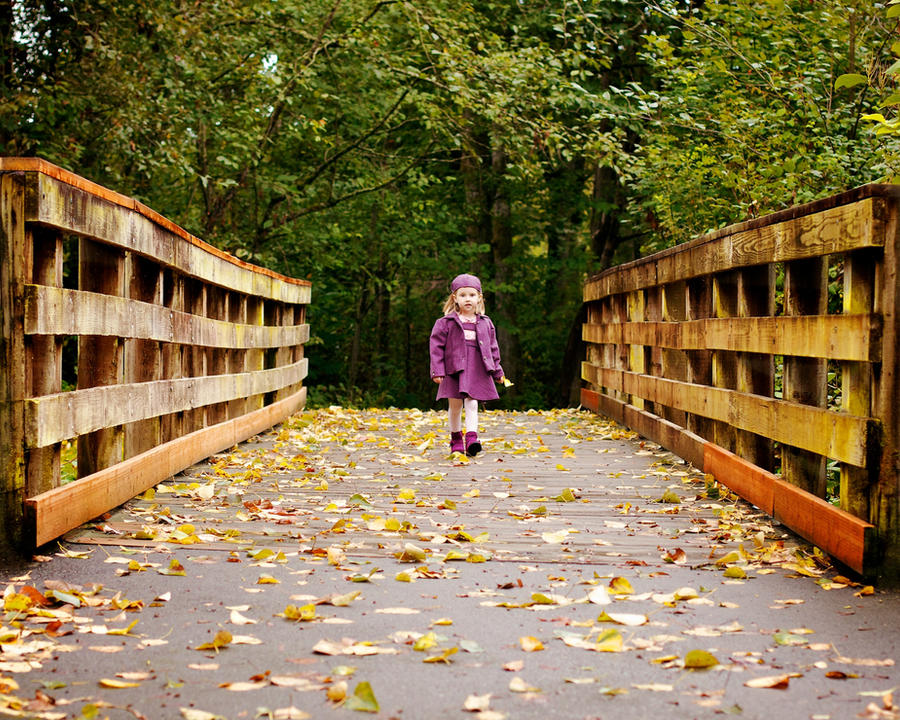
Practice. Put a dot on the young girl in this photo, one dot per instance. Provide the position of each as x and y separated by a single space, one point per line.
465 360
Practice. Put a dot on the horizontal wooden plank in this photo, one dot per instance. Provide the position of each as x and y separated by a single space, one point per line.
42 167
72 209
61 311
57 511
839 436
838 229
679 440
840 534
54 418
838 337
750 481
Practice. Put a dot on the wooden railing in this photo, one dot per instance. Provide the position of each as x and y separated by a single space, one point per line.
175 350
726 351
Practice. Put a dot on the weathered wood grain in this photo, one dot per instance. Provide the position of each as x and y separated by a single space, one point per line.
54 418
854 337
63 311
12 352
836 435
817 233
52 513
73 209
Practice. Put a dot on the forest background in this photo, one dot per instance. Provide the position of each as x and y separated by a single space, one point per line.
380 148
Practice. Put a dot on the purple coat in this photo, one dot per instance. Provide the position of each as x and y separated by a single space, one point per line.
448 346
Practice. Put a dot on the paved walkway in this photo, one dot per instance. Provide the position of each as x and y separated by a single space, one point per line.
570 571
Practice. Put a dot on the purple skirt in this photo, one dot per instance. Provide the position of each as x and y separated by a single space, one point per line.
473 382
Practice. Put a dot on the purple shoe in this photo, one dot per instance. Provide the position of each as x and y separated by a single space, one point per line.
473 447
456 442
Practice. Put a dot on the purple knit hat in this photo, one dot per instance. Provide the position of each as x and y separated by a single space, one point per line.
464 280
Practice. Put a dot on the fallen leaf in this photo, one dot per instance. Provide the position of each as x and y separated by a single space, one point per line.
620 586
362 699
477 703
699 660
117 684
518 685
221 640
773 682
530 644
337 692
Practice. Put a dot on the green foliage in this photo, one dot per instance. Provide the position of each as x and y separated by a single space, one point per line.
380 148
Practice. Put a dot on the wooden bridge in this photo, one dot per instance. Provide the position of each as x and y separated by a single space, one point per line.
723 350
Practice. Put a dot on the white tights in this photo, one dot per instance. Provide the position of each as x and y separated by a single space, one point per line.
456 408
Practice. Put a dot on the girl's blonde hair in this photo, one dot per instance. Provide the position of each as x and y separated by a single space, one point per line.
451 306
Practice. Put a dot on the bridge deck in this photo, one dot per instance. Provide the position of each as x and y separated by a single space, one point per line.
563 518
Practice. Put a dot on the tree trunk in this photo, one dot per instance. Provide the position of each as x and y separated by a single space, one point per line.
501 248
8 84
607 204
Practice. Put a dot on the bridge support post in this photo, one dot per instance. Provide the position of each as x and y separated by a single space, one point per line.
12 351
884 508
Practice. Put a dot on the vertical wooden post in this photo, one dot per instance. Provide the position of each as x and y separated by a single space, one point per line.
619 313
142 357
237 357
216 358
636 358
856 377
44 356
606 355
173 425
805 293
195 357
12 352
884 510
724 362
100 358
654 351
674 362
699 306
256 359
756 371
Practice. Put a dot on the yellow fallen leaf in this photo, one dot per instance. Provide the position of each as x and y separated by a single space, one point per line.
530 643
362 699
443 657
518 685
699 660
426 642
620 586
117 684
337 692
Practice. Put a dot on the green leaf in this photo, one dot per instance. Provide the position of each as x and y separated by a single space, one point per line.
893 11
849 80
699 660
362 699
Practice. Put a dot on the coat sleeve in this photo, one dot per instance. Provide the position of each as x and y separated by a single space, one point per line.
436 347
495 353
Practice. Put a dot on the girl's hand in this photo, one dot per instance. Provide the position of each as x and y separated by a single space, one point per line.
437 379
